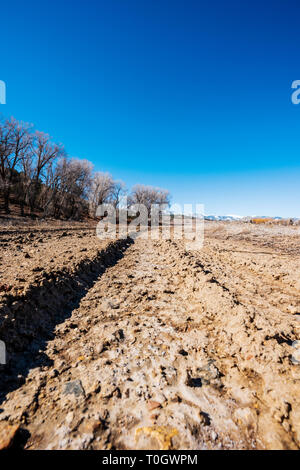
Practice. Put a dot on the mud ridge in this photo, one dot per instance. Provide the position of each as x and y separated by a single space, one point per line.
27 322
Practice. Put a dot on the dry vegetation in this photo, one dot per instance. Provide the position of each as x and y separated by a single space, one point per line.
272 221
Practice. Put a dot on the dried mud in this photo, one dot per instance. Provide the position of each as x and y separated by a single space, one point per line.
144 345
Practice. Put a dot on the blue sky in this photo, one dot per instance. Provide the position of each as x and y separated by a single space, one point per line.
188 95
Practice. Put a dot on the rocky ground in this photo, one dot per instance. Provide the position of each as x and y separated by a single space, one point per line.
144 345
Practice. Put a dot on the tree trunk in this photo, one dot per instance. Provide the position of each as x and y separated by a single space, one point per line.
22 208
6 201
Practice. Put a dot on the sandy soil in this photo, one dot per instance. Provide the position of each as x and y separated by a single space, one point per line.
138 345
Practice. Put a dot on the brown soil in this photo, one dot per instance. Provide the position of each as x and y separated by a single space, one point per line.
138 345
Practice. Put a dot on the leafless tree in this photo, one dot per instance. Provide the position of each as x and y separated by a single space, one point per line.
25 177
67 188
5 151
118 191
102 188
148 196
45 153
38 173
15 144
76 182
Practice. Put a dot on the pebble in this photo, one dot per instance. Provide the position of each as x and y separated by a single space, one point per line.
75 387
7 435
153 405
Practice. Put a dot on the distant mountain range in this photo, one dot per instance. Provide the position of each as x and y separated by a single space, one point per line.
223 217
232 217
241 217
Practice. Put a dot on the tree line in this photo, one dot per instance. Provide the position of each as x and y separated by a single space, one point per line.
38 175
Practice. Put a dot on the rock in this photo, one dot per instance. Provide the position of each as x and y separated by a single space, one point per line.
204 418
153 405
119 335
183 352
74 388
114 305
209 374
161 434
109 390
193 381
7 435
99 348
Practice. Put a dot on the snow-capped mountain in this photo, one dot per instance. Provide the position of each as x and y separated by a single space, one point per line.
223 217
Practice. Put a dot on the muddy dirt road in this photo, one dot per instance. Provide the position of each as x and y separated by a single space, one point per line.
162 348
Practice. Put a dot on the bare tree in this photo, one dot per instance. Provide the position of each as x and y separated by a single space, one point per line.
15 143
76 181
5 151
148 196
45 153
25 177
102 188
118 191
67 188
39 174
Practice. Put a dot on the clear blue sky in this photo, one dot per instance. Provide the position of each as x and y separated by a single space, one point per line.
192 96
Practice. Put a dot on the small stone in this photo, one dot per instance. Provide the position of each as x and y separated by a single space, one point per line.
7 435
204 418
209 374
194 381
114 305
153 405
74 388
109 390
99 348
183 352
119 335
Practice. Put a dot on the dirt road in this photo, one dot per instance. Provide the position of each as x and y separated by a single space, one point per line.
166 348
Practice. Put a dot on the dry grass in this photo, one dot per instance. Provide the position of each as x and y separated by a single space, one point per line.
271 221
